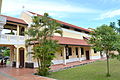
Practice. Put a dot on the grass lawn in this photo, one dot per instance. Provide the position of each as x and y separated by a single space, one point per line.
93 71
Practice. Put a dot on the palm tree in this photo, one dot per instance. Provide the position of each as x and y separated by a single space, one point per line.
42 30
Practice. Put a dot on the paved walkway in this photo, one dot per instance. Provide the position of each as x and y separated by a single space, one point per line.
58 67
9 73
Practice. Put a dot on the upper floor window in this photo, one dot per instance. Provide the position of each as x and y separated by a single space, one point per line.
22 30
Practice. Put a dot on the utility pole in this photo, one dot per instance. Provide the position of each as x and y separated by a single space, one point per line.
0 6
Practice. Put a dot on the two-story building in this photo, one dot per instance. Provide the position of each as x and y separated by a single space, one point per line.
75 47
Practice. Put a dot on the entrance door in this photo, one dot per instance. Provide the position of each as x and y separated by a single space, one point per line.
21 58
87 55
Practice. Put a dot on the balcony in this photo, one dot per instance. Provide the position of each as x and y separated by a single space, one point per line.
12 39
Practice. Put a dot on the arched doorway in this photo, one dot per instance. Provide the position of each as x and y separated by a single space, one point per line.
21 57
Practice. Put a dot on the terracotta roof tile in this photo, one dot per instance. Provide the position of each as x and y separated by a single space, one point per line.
12 19
70 41
67 41
61 22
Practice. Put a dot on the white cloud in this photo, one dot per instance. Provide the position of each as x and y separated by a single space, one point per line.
12 7
109 14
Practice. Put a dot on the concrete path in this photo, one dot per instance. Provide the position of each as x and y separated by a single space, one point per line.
8 73
59 67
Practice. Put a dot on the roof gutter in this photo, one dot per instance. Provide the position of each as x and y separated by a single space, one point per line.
17 22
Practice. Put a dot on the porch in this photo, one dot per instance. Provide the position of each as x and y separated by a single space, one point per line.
17 56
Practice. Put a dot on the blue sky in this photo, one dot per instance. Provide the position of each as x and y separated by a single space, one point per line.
83 13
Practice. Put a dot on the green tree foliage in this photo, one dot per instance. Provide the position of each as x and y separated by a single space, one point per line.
106 39
113 25
117 29
2 48
41 31
5 51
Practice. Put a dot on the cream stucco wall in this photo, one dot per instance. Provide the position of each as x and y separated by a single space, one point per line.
73 34
66 33
26 17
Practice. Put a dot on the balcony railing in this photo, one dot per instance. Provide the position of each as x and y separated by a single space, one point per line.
11 39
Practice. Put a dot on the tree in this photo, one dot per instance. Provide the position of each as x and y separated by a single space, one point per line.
112 24
4 51
98 48
107 39
2 48
117 29
41 31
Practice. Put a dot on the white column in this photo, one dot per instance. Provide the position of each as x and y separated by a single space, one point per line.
17 58
25 55
79 54
2 23
18 29
0 6
11 55
64 56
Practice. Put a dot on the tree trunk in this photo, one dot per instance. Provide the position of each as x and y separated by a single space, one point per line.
101 54
38 62
108 66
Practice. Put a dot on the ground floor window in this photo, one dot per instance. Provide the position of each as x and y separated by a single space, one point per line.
76 49
82 51
70 51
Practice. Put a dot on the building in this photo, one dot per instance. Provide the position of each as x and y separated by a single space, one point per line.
12 36
74 45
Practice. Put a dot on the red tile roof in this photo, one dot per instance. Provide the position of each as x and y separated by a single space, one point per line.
71 41
61 22
16 20
67 41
